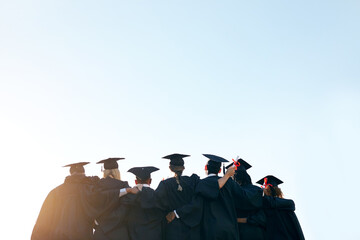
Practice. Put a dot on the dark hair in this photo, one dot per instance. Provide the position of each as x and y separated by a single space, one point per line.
273 191
213 169
141 181
178 170
77 169
242 177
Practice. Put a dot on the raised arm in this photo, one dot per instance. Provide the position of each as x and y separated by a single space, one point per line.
229 173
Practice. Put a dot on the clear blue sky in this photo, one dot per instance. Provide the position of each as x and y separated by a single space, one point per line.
275 82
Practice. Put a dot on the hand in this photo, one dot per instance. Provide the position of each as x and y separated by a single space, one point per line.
242 220
230 172
170 217
133 190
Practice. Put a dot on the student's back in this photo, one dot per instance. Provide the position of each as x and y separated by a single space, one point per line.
219 213
68 211
170 198
281 220
173 193
144 222
112 223
219 220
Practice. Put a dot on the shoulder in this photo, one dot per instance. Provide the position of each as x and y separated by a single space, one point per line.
195 177
168 181
208 181
166 184
279 203
91 180
112 183
148 189
252 188
55 190
256 187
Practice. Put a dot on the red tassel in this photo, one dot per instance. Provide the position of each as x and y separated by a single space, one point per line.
237 164
266 183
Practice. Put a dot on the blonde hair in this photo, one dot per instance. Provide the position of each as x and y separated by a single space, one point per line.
113 173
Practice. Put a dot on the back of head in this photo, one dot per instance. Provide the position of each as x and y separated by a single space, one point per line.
213 168
176 165
143 174
242 177
113 173
77 171
270 184
143 181
213 165
178 170
273 191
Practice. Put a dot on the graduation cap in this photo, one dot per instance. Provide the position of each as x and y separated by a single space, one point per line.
110 163
176 159
77 167
215 160
142 173
270 180
242 162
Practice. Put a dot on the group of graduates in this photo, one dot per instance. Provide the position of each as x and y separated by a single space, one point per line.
181 208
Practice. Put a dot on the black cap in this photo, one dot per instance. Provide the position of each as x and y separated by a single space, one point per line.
77 167
274 181
215 158
176 159
110 163
142 173
243 164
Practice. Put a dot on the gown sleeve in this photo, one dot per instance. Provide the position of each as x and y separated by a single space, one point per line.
96 201
279 203
281 218
160 199
257 219
208 188
45 221
246 198
191 213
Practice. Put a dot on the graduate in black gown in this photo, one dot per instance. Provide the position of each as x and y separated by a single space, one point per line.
219 220
281 220
69 210
112 223
173 193
144 222
251 222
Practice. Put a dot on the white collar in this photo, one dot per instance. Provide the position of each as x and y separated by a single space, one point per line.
146 185
211 175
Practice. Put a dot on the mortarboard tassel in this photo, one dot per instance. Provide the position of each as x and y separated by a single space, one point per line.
266 183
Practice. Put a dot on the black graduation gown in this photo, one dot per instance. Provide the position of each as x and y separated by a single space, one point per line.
112 223
144 222
281 220
254 228
219 212
69 210
168 199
